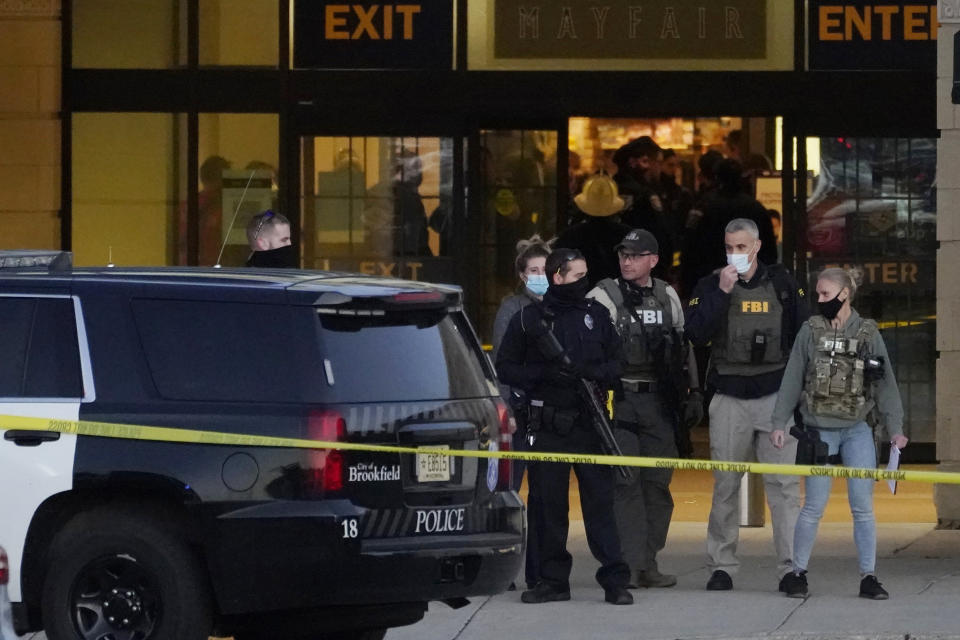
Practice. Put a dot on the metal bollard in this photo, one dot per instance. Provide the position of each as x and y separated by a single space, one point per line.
752 510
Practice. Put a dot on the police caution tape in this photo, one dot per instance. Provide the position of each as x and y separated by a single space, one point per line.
192 436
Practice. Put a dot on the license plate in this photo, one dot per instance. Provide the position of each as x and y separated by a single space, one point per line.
433 467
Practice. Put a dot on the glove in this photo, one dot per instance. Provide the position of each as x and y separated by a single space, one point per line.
573 369
693 410
561 377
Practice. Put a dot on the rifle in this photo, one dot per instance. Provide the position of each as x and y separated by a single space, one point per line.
551 348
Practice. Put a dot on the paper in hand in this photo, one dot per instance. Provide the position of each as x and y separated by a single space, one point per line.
892 465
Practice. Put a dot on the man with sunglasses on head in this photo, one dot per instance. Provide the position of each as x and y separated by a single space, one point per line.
269 236
561 422
648 317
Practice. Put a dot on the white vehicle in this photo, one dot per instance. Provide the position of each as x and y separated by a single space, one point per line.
6 617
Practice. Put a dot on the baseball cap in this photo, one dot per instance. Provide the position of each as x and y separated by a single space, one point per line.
639 241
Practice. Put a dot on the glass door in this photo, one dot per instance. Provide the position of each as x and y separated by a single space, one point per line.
379 205
872 208
517 188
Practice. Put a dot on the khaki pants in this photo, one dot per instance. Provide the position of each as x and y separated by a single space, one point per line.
739 431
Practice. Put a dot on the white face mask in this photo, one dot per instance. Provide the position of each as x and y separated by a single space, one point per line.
740 260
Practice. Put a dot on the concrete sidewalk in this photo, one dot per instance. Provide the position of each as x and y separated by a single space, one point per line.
919 566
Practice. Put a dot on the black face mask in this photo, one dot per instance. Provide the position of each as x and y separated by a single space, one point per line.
571 292
280 258
831 308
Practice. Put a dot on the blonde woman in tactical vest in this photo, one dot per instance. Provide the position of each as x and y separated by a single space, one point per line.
838 373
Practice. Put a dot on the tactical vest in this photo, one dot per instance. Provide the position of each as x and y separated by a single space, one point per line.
834 386
750 341
645 330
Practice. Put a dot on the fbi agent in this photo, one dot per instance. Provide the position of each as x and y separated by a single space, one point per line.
839 373
560 423
750 314
649 320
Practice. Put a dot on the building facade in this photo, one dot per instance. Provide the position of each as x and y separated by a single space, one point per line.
422 140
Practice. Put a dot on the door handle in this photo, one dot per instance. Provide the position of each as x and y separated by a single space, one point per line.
24 438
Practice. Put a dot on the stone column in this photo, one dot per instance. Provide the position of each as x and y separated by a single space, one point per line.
30 124
947 497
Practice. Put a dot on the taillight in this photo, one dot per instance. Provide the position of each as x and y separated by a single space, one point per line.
4 568
505 471
324 472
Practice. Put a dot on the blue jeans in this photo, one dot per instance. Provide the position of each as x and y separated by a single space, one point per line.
855 445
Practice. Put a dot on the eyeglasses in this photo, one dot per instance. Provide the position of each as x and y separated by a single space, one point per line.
627 257
266 215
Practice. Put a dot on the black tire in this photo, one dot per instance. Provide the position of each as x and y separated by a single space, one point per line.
127 564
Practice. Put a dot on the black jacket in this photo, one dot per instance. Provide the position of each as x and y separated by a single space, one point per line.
595 238
705 314
646 211
585 332
706 249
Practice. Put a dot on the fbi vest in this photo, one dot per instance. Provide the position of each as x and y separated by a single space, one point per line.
834 385
644 329
750 341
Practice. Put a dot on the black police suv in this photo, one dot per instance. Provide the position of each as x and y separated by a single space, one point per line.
134 539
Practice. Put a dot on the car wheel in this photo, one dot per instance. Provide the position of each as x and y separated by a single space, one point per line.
125 575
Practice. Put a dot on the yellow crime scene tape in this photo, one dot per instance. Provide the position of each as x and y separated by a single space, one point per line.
191 436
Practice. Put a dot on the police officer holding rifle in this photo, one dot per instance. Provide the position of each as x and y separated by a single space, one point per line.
548 350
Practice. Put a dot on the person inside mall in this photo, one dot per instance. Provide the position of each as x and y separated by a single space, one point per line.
546 351
840 375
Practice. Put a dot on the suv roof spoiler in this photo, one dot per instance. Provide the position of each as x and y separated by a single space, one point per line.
54 261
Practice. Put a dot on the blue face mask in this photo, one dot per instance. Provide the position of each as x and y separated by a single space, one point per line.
537 283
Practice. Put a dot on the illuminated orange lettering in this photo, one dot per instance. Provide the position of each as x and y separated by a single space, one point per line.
408 11
889 273
369 268
871 268
388 22
911 22
908 272
332 21
386 268
366 22
827 22
414 269
853 18
886 15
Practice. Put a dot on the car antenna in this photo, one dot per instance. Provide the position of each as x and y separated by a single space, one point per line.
110 264
226 236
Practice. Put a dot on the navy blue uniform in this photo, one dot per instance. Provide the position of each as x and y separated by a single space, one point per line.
586 333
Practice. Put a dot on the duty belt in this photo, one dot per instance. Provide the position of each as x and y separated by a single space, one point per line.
640 386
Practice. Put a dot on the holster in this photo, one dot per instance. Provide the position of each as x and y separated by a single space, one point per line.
534 418
560 421
810 448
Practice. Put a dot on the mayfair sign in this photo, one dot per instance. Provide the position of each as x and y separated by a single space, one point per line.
682 29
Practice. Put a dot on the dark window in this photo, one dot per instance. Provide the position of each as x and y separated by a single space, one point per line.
873 209
402 356
38 340
219 351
